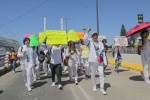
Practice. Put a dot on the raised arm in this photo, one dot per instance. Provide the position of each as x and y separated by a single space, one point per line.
85 38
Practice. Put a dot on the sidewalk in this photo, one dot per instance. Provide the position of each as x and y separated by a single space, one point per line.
131 61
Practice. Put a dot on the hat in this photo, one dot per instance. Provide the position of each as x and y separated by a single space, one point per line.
94 33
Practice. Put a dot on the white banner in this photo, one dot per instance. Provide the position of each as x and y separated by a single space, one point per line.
121 41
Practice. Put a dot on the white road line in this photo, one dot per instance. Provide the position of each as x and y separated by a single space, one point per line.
84 92
74 93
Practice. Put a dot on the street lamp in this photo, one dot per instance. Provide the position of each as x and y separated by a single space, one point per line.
66 19
84 29
97 19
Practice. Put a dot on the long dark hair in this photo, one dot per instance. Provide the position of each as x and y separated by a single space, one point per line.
72 49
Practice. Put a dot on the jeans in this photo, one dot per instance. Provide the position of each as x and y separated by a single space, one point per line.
56 69
118 62
13 64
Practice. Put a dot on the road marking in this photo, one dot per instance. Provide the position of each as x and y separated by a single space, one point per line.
84 93
74 93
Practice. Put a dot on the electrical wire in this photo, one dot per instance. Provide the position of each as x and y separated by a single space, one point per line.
25 13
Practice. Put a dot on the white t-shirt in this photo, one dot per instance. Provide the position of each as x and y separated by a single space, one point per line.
146 50
56 57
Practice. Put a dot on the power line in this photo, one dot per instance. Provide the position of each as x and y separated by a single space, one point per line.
24 13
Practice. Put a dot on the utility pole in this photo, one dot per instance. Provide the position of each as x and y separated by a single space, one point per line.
61 23
44 24
97 19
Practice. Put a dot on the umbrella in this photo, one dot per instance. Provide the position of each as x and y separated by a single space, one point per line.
138 28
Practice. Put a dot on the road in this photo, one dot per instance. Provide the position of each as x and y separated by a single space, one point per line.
125 85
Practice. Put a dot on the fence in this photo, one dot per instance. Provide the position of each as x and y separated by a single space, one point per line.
128 49
4 64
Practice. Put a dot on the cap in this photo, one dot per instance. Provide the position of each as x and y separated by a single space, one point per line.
94 33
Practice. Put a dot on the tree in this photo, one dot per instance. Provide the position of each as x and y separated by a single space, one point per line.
123 31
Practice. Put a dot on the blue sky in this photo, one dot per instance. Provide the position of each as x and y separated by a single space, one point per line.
112 14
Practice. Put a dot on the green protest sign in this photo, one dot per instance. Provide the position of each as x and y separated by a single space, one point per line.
33 40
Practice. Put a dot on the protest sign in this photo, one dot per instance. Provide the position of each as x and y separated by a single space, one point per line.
80 35
26 35
121 41
56 37
42 36
33 40
72 36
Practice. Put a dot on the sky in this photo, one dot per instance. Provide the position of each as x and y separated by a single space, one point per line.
18 17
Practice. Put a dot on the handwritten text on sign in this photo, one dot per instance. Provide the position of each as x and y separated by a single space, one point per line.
121 41
56 37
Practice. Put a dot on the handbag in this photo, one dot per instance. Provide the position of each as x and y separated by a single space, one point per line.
100 58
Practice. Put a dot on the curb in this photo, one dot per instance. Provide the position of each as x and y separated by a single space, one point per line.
129 65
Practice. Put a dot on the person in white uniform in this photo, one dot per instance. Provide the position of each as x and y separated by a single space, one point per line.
72 53
43 48
37 63
144 47
117 54
26 55
85 51
20 55
95 49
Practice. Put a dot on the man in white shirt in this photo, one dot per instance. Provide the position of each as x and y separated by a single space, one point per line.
95 49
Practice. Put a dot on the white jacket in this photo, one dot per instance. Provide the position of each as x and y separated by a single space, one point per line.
21 56
31 61
115 50
92 53
73 57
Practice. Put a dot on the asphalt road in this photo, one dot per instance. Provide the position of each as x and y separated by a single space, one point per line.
125 85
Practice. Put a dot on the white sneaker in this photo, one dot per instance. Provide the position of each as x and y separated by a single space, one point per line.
142 75
46 75
60 86
103 91
76 82
53 84
94 88
26 84
34 80
147 80
13 72
29 88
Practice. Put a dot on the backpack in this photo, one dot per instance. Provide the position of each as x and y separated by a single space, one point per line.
41 57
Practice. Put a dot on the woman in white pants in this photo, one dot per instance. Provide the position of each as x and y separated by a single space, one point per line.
85 52
72 53
22 64
37 63
43 47
95 49
26 55
144 47
117 54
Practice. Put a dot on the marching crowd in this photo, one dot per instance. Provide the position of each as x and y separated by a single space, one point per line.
89 54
